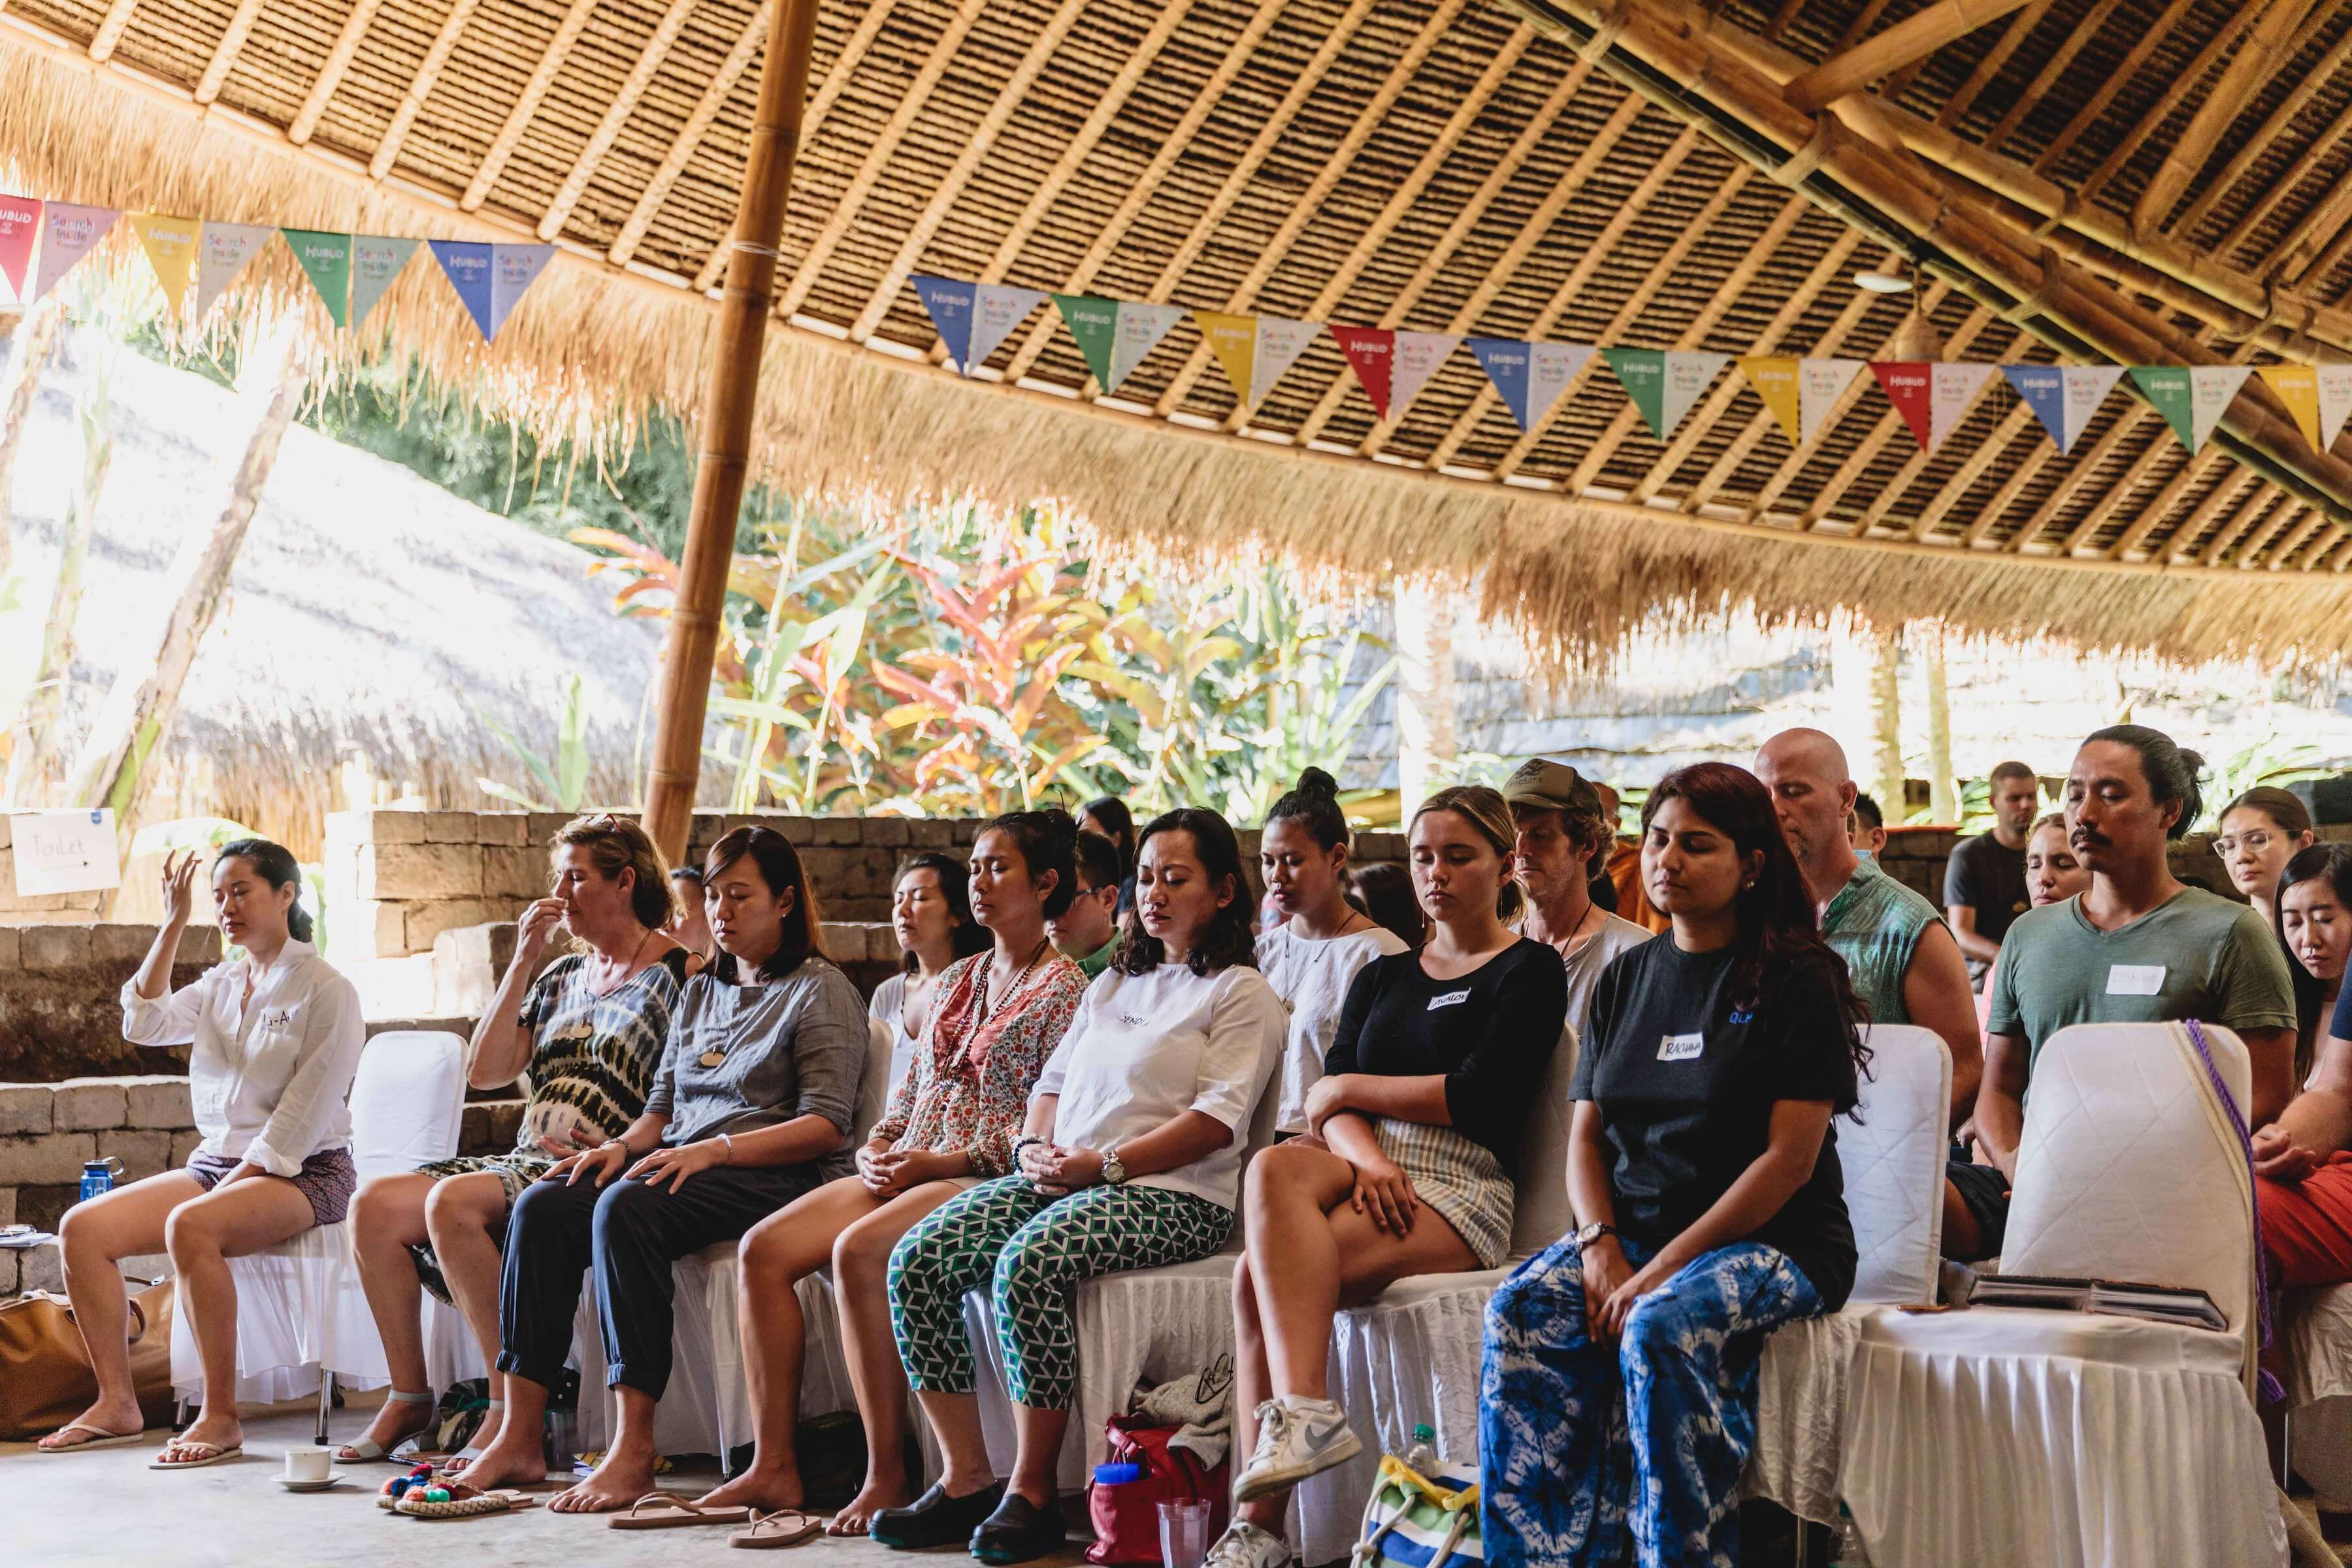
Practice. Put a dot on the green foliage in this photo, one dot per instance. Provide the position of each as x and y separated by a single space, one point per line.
2273 760
560 784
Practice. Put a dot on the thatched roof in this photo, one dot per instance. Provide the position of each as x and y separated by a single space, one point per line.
1440 164
372 614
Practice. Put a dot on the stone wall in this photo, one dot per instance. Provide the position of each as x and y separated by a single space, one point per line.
47 1129
61 1015
53 909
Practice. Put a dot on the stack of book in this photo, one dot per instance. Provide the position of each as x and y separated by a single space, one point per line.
2123 1299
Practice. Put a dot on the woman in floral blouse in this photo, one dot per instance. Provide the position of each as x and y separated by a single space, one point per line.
997 1017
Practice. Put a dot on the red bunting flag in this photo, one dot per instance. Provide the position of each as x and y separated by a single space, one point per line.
1372 351
1910 389
20 226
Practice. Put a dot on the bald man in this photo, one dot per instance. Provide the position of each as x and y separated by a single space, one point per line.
1905 964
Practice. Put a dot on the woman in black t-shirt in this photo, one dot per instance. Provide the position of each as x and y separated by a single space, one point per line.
1619 1390
1438 1056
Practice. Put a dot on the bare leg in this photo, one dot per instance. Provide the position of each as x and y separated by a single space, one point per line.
387 1219
203 1234
518 1456
94 1239
1037 1464
1963 1237
1253 1387
459 1215
626 1471
963 1449
861 1266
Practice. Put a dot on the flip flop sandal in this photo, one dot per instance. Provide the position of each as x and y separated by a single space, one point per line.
205 1453
465 1502
667 1510
367 1451
784 1527
100 1438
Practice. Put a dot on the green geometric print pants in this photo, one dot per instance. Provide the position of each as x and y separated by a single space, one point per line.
1033 1252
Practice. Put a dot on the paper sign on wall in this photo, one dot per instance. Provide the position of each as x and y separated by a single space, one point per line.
64 852
20 226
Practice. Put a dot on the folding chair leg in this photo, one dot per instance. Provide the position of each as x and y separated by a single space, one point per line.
326 1402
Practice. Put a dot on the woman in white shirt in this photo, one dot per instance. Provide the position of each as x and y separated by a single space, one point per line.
1323 938
930 915
1131 1158
277 1036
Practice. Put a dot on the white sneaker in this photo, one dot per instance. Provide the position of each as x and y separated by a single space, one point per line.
1295 1439
1245 1545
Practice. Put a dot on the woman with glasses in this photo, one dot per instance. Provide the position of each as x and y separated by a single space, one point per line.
2261 830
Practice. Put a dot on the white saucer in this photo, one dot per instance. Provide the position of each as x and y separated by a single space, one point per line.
334 1478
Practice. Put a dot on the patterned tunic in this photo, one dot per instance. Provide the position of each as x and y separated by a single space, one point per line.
970 1085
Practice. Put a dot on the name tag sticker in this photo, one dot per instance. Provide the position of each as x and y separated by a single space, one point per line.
2135 979
1448 999
1681 1047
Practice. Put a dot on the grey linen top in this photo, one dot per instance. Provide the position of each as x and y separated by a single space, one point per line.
791 1047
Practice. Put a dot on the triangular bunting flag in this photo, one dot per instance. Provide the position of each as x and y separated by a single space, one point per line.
1280 342
1775 380
20 226
2334 401
221 255
996 309
1530 376
1138 331
1093 322
2064 397
467 264
171 246
513 269
1820 383
375 263
326 260
1909 387
69 232
1371 353
948 301
2192 398
1234 340
1951 389
1418 355
2318 396
1664 386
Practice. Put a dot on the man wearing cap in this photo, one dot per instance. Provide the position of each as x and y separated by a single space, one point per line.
1560 824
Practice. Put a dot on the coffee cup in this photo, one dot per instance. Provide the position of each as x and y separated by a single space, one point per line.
307 1463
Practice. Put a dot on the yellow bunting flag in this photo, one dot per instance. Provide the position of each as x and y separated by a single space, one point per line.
1254 349
1233 340
1775 380
2297 387
171 246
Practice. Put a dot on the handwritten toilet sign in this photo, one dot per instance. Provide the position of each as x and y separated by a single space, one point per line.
64 852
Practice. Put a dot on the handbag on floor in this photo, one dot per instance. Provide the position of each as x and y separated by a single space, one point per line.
1421 1521
1126 1514
45 1376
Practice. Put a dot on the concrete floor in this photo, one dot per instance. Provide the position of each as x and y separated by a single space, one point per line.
106 1508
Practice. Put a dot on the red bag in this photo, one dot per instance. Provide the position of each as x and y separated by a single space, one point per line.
1127 1516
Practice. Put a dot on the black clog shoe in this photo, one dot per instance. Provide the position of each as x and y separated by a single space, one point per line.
1020 1532
935 1518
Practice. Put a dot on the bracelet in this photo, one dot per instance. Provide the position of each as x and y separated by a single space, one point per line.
728 1140
1024 1141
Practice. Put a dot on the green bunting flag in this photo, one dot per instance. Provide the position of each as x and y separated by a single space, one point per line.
2192 398
1664 386
326 259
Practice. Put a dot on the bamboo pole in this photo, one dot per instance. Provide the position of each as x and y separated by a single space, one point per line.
1943 789
1913 38
2260 59
36 334
38 743
727 414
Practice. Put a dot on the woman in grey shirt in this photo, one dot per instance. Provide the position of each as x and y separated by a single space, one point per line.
750 1108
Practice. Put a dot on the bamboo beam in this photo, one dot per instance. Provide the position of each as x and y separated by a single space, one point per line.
330 74
526 105
1556 198
850 211
2251 552
2152 121
2113 83
110 30
2020 27
2284 549
2267 138
2244 517
972 152
232 43
2079 470
2052 70
698 121
2151 516
420 87
1914 38
1307 205
616 115
2266 53
2308 250
1146 186
692 643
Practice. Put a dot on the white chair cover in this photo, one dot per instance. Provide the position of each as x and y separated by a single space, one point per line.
298 1304
1892 1158
884 1064
2049 1438
2314 1339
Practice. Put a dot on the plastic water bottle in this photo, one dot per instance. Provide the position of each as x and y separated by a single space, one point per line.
1423 1456
98 1177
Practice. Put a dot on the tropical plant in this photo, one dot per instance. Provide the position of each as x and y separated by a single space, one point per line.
2272 760
561 783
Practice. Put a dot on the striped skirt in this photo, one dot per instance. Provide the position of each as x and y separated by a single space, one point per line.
1461 1180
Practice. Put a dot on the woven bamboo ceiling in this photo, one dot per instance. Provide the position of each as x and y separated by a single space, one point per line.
2173 172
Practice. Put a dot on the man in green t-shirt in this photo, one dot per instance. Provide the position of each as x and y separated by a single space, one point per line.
2138 945
1086 932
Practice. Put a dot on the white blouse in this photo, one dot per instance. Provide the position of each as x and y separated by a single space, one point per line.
1145 1048
267 1082
1312 978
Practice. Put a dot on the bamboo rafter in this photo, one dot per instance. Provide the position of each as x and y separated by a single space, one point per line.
2207 552
356 23
698 121
420 87
1914 38
616 115
2272 43
526 105
2266 139
2159 506
2113 83
232 43
1886 428
2284 552
110 31
2020 27
2052 71
2167 103
2250 553
2079 472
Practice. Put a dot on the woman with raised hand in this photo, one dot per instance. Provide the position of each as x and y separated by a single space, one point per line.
930 915
1323 941
1617 1397
589 1032
1437 1056
277 1036
749 1110
1131 1158
949 1124
2261 830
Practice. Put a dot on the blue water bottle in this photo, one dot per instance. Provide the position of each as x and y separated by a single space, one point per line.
98 1176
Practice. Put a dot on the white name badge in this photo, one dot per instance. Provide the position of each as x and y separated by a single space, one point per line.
1681 1047
1448 999
2135 979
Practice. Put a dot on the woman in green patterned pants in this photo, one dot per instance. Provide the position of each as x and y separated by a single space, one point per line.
1131 1158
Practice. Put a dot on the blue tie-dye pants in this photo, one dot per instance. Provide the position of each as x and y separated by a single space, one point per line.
1592 1453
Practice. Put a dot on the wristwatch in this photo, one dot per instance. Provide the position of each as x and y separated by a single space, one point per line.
1113 1168
1589 1233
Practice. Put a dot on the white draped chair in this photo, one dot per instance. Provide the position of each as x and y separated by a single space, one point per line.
300 1307
2315 1338
2040 1438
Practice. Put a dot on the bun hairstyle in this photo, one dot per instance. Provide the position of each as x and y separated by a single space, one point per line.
967 935
1314 803
274 864
2171 771
1484 809
616 844
2280 805
780 868
1227 941
1048 841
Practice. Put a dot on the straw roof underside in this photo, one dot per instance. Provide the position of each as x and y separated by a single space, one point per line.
1436 164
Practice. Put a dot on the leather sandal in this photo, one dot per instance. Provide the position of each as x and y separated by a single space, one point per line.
367 1451
935 1518
1020 1532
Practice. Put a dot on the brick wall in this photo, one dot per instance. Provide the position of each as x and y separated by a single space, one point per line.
59 1013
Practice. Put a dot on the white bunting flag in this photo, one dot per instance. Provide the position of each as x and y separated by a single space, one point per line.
1687 376
221 255
1280 342
1550 367
1417 357
375 263
2087 387
1139 330
1950 389
513 269
996 309
1820 383
2211 389
2334 401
